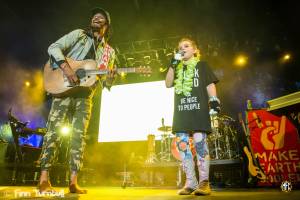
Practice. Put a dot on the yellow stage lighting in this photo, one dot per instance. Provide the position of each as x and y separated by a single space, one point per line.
241 60
65 130
27 83
123 74
287 57
161 69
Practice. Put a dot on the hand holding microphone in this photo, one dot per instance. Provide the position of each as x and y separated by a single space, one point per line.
176 59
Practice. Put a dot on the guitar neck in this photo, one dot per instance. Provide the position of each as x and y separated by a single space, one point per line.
105 71
247 134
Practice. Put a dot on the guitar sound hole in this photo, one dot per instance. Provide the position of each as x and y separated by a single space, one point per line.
81 73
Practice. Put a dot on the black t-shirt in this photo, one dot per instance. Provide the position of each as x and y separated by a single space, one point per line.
192 113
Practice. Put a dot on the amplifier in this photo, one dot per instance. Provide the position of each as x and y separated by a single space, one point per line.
288 106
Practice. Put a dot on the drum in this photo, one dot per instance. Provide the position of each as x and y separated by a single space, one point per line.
165 147
151 156
223 142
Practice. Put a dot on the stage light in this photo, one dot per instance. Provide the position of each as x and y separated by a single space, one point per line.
286 57
65 130
163 69
241 60
27 83
123 74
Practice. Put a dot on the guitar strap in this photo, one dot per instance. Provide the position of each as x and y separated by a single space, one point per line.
103 61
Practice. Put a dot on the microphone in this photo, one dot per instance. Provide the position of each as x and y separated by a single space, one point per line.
177 58
178 55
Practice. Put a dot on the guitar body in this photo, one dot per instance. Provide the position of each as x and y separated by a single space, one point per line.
254 169
57 84
253 165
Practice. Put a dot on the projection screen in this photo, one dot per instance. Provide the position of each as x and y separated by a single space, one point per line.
133 111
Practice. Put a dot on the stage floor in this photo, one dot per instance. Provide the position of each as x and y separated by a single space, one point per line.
134 193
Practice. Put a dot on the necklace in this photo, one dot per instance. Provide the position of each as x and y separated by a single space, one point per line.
184 81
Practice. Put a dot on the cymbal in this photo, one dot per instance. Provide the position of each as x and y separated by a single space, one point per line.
165 128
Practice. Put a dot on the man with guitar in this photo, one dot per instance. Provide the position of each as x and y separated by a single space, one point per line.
77 45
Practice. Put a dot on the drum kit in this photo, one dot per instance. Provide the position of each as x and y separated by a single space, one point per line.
164 154
165 143
222 142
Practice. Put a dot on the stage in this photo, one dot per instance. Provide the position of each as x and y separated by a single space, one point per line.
132 193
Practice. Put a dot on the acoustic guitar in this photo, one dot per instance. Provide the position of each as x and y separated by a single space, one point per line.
57 84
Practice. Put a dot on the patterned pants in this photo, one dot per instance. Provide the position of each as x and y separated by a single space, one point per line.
202 155
81 112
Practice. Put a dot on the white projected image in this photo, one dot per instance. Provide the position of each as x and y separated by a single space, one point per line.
131 112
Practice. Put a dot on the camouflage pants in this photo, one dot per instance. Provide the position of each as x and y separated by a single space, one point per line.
60 108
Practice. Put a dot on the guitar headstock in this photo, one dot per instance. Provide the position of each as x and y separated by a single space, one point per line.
144 70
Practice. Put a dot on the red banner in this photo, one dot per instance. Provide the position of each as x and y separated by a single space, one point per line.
275 142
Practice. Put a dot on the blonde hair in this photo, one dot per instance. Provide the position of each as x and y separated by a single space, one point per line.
194 45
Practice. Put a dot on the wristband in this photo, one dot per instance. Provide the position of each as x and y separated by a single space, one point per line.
213 98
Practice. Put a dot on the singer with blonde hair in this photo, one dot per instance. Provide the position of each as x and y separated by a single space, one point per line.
194 98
